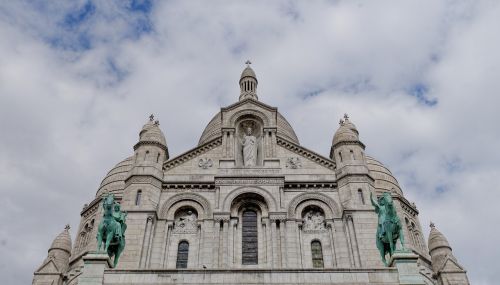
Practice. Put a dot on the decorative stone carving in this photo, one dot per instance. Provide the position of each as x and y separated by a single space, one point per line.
313 220
186 222
205 163
293 163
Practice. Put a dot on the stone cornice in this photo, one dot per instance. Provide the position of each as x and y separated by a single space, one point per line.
349 143
306 153
249 100
190 154
165 148
249 181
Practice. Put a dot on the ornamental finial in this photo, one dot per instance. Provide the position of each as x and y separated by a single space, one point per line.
432 225
341 122
248 62
151 117
346 117
157 123
67 227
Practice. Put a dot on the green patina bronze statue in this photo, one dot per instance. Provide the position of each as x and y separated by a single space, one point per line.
389 228
112 229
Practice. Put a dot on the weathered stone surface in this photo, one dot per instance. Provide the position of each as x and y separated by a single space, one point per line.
315 223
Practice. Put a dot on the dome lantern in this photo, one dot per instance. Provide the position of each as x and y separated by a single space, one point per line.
248 83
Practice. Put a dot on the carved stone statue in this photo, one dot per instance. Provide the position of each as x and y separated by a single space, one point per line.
111 229
313 220
249 144
186 222
389 228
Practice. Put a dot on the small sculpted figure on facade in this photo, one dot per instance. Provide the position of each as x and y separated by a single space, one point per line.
389 228
249 148
186 221
293 163
205 163
313 220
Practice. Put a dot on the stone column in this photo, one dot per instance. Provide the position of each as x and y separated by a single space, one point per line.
330 229
216 254
353 241
94 264
269 246
230 244
406 263
166 242
224 251
282 248
231 143
274 238
207 243
145 242
292 244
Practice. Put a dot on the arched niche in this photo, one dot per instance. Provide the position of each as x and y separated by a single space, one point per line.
186 200
258 191
327 204
249 201
249 127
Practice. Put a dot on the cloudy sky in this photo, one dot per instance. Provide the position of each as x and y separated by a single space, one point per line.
419 78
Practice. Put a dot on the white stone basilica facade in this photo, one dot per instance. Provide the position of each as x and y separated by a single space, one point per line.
250 205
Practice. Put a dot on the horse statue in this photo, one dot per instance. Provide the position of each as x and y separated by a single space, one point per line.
389 228
112 228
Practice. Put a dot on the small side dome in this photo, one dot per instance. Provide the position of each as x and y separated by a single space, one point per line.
62 241
437 239
384 180
115 179
347 132
151 133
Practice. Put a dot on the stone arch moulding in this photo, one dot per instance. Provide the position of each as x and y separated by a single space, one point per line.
243 113
271 202
185 199
333 207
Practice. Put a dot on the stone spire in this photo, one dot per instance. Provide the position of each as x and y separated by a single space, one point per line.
444 263
248 83
57 262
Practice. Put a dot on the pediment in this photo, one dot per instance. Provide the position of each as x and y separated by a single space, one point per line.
190 156
249 107
450 265
49 266
305 153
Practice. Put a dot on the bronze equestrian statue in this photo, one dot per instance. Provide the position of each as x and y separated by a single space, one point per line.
112 228
389 228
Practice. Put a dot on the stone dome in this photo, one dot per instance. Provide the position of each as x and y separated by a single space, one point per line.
384 180
115 179
344 134
62 241
248 72
151 133
213 130
437 239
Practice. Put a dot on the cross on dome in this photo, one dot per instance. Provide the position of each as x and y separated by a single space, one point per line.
248 62
151 117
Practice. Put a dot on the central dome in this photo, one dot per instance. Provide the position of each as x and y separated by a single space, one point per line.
213 130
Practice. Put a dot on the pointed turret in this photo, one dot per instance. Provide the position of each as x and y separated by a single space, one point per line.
248 83
444 263
151 150
56 264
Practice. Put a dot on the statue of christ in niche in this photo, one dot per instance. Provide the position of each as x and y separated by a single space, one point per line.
249 148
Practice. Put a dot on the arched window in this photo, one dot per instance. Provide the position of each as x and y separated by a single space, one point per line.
182 254
361 197
158 158
138 197
317 254
250 241
352 154
146 155
340 156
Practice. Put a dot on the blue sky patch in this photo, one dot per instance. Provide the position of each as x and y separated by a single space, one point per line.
75 18
420 92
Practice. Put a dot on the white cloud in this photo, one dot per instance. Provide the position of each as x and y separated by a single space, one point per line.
68 113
